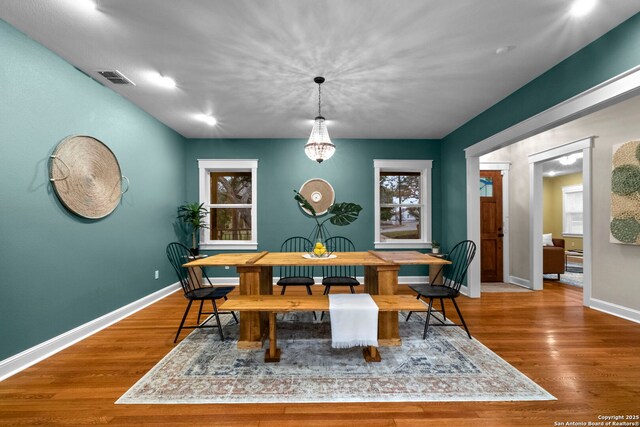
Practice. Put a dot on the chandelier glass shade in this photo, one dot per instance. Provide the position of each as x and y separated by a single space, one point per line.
319 147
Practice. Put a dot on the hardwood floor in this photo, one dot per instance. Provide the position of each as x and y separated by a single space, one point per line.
588 360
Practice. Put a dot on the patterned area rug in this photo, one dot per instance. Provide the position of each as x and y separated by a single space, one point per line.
447 366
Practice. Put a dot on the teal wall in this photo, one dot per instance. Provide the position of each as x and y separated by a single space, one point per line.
612 54
283 167
58 271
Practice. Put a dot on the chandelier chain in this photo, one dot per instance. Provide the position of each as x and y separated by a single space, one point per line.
319 98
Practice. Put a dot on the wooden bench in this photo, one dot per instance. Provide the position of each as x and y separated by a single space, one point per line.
273 304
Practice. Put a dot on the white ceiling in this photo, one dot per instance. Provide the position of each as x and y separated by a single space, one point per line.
394 69
558 169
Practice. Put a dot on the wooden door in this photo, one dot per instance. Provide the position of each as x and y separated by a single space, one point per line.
491 233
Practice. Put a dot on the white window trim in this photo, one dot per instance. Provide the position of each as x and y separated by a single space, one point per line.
205 167
422 166
565 190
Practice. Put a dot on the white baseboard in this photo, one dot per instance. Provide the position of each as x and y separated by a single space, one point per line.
615 310
33 355
405 280
464 290
229 281
520 282
411 280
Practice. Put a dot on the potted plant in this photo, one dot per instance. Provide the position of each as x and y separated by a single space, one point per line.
193 215
435 247
340 214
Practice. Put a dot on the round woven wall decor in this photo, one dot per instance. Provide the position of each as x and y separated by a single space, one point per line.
319 193
625 194
86 176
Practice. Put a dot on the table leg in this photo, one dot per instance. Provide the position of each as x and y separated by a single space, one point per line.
272 354
434 277
254 280
195 277
387 284
371 354
370 280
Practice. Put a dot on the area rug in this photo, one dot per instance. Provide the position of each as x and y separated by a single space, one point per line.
447 366
573 275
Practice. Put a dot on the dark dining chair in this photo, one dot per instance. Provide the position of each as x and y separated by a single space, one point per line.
296 275
453 276
339 275
194 290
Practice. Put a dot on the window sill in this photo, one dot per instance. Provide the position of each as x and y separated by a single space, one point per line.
238 246
401 245
572 235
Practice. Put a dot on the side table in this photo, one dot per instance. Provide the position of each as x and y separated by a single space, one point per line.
573 254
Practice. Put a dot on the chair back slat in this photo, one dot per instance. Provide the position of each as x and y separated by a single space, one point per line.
460 256
178 255
339 244
296 244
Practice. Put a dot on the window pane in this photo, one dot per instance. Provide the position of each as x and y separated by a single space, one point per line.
231 188
230 224
573 202
572 210
399 223
486 187
400 188
573 223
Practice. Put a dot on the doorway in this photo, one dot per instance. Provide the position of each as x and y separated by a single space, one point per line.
615 90
491 226
562 222
536 162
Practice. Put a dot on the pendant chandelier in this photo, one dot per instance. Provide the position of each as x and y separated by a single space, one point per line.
319 147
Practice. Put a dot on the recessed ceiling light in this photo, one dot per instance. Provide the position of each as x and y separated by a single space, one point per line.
210 120
504 49
582 7
87 5
570 159
161 80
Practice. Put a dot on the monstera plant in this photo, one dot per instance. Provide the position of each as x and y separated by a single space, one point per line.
340 214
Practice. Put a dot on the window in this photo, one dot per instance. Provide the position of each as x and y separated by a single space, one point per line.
228 189
403 203
486 186
572 210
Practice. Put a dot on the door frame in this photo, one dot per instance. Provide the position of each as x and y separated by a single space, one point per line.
535 211
504 168
619 88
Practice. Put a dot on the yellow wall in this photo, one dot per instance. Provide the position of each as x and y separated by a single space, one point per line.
552 207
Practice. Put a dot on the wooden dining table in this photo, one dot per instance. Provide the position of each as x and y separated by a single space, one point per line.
255 270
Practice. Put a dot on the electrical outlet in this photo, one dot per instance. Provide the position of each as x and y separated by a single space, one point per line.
226 267
157 274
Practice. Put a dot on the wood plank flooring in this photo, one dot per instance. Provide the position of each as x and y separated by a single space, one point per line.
588 360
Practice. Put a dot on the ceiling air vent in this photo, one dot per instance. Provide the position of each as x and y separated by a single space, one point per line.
116 77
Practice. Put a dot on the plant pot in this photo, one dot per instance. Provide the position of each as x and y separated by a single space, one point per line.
195 251
435 250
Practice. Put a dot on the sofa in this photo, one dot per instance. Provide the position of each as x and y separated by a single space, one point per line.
553 261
